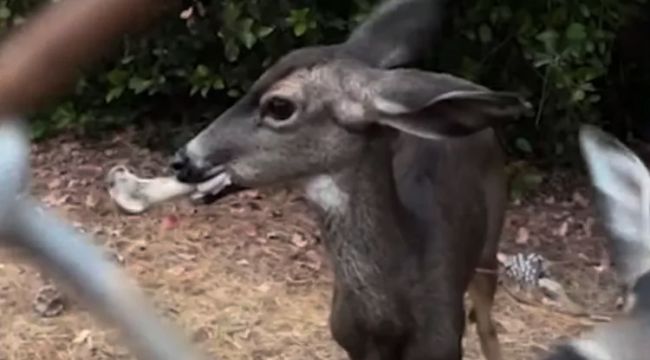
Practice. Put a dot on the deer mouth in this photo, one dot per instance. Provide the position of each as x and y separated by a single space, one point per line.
216 184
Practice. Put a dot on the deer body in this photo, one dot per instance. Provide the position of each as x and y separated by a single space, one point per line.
406 216
402 168
404 251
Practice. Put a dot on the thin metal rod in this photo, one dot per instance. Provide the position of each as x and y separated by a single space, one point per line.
59 247
72 257
14 165
42 58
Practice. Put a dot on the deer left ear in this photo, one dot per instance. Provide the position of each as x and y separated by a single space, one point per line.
434 106
397 33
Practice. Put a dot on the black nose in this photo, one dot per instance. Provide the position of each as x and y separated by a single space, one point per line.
185 169
180 160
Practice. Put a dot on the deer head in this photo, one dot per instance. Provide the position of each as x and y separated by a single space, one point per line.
317 108
316 111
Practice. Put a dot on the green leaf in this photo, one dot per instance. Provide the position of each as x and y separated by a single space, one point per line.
506 13
218 83
248 39
231 51
485 34
117 77
202 71
264 31
231 13
139 85
523 145
5 13
245 33
115 93
127 59
549 39
299 29
578 95
576 32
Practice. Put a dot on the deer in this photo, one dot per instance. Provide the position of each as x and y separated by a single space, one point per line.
621 185
403 169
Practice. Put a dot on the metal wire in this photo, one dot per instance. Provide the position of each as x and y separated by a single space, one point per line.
59 248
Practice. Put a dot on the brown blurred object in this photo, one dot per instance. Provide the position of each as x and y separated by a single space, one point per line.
43 57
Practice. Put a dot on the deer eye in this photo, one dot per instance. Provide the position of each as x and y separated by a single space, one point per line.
278 109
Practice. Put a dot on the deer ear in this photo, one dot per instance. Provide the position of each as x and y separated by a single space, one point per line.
434 106
398 32
622 191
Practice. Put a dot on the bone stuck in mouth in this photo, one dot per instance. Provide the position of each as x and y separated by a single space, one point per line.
136 195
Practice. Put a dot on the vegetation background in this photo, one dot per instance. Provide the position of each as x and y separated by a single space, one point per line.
578 61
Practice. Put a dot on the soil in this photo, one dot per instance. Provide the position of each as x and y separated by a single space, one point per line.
247 278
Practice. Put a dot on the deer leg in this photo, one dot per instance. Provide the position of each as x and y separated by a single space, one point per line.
481 291
483 285
440 332
344 328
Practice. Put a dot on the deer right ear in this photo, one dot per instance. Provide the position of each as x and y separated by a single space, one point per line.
622 192
433 106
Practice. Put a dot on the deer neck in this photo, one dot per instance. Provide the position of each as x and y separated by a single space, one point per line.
360 212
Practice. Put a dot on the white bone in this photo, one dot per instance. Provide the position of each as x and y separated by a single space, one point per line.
136 195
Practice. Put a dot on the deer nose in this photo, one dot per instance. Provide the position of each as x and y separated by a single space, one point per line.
180 160
185 169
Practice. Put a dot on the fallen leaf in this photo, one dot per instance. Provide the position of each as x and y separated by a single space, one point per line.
115 256
502 258
177 270
91 201
82 337
169 222
563 229
580 200
137 245
589 226
604 264
54 184
299 240
54 200
523 235
264 288
187 257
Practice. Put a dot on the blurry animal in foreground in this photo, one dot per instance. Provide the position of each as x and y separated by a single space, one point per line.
622 190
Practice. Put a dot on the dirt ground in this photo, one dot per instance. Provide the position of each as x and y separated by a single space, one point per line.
247 279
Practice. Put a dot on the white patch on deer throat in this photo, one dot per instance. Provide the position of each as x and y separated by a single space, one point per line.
591 350
324 192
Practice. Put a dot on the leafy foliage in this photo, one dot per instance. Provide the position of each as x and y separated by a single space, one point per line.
556 52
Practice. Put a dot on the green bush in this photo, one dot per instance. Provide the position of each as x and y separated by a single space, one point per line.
192 65
555 51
